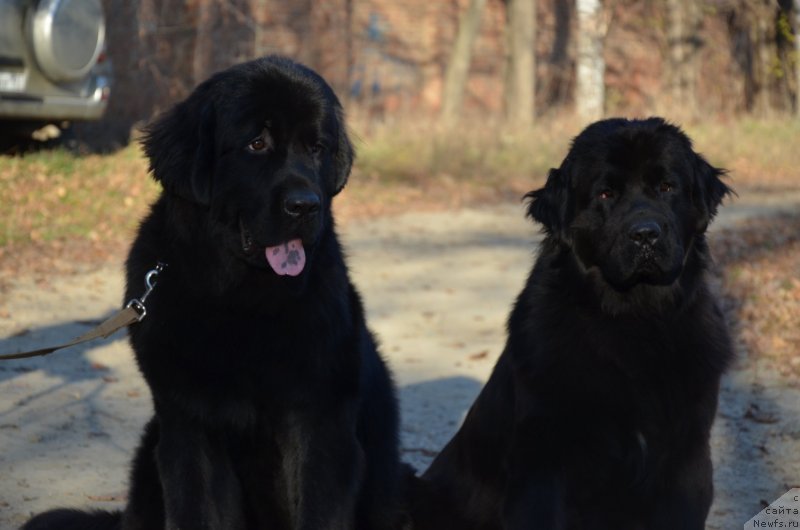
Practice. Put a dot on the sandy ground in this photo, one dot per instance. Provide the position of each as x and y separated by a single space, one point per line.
438 288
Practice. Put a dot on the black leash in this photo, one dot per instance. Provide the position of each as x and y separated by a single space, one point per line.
133 312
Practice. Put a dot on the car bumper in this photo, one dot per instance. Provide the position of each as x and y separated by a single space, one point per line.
51 108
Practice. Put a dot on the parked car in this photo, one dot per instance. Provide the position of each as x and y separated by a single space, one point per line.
52 63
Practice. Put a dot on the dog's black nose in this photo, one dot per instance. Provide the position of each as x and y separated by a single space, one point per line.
645 233
299 203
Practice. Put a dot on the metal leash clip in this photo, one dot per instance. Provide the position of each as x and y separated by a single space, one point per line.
150 280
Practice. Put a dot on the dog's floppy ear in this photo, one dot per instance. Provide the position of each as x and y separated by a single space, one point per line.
708 190
181 147
549 205
345 154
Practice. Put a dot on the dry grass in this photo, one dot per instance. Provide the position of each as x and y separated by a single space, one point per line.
760 155
56 195
418 165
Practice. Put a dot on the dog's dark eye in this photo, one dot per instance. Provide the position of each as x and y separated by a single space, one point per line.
259 144
665 187
316 149
606 194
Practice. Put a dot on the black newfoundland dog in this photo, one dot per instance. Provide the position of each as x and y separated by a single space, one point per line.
273 409
598 412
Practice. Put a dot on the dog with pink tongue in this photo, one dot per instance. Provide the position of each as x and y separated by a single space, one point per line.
273 408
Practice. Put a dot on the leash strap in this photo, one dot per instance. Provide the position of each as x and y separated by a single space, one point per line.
119 320
133 312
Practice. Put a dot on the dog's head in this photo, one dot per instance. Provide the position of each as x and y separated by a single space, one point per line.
263 147
630 200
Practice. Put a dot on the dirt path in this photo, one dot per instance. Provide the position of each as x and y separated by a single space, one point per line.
438 288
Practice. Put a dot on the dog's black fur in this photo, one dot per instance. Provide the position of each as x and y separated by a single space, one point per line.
273 409
598 412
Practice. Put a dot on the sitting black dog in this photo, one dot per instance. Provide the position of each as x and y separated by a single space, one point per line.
598 412
273 409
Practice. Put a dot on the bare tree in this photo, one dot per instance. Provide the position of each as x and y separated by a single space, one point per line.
684 20
763 39
455 79
558 82
519 89
591 66
754 45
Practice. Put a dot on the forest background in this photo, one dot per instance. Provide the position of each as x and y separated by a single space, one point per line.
524 60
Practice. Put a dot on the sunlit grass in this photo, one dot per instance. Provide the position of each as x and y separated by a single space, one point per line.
418 152
759 154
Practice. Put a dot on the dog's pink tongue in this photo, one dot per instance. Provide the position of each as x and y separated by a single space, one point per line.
287 258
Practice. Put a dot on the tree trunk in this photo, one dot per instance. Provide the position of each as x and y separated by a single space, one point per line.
763 40
204 43
520 78
684 21
455 79
557 83
590 85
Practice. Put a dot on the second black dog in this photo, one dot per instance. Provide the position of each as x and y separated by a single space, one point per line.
598 412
